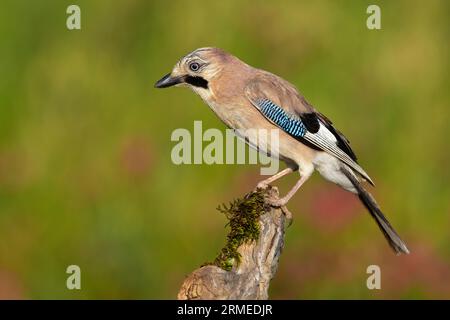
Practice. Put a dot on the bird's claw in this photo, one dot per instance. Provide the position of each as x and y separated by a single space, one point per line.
281 203
262 185
277 203
288 215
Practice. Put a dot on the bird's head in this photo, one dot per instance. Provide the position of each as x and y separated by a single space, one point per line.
197 69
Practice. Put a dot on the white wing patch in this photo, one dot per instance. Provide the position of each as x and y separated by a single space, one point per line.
325 133
325 140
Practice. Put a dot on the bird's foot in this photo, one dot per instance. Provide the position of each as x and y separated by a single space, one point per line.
278 203
281 203
288 215
262 185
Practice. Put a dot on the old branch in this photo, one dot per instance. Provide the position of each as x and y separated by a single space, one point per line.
249 260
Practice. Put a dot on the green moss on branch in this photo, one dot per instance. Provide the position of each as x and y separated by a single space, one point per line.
243 220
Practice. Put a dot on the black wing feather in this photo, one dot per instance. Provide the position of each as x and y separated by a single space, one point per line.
342 141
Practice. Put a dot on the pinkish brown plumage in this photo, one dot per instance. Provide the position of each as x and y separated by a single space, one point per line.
245 98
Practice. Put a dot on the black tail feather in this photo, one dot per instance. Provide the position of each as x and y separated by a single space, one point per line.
369 202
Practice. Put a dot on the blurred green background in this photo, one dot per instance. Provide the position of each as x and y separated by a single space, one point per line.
85 170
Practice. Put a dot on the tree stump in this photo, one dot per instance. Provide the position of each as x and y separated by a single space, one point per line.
249 260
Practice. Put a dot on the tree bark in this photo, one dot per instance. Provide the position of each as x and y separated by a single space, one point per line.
250 278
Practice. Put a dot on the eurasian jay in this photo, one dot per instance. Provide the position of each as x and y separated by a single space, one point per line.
245 98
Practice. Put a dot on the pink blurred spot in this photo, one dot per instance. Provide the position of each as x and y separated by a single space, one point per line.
332 208
10 286
245 182
422 269
137 157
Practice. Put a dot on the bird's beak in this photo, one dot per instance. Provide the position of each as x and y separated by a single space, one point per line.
168 81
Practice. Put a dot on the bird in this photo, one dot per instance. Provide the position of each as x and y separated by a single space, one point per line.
245 97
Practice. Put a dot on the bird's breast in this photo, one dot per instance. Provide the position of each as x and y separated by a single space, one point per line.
249 124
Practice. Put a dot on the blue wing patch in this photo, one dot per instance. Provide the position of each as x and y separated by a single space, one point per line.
289 123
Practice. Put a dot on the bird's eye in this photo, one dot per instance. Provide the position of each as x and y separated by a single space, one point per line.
194 66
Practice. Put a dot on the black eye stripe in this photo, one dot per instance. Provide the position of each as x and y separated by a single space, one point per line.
196 81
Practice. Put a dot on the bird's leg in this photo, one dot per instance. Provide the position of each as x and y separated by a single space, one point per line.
283 201
263 184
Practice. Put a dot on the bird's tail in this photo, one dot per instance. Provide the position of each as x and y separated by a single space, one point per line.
369 202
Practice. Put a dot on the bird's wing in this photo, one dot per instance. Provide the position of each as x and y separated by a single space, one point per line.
280 103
